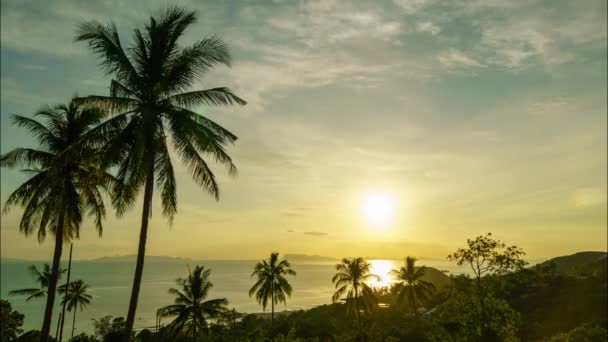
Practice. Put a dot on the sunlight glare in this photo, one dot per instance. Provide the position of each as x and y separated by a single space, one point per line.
378 208
382 269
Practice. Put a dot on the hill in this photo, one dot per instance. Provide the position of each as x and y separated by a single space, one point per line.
435 276
578 264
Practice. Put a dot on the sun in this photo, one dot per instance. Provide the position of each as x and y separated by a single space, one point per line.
378 208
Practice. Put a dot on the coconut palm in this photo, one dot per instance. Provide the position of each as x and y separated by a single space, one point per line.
411 285
42 277
76 296
64 182
150 98
351 279
271 284
191 308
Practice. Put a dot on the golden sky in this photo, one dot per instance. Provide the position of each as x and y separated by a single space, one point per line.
471 116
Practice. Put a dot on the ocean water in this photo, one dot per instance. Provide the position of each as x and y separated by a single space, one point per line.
110 285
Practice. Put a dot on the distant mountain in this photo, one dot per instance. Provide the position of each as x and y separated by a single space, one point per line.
578 264
435 276
307 258
131 258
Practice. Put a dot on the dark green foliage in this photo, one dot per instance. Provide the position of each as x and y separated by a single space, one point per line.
65 180
351 280
271 284
191 310
108 328
82 337
578 264
32 336
10 322
151 97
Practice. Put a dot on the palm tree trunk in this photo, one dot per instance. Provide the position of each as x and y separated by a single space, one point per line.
52 289
67 286
272 309
141 251
73 323
58 324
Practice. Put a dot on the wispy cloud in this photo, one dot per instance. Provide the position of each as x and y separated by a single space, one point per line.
453 58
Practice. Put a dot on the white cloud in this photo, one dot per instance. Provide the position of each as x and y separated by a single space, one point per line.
428 26
453 58
412 6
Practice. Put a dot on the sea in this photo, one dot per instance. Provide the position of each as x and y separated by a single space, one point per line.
110 281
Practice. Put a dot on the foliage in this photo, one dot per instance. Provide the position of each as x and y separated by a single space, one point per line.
10 322
32 336
271 283
460 316
190 307
410 284
584 333
151 99
487 257
351 280
82 337
107 327
76 295
65 180
42 277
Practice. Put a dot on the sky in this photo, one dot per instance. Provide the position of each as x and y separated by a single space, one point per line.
470 116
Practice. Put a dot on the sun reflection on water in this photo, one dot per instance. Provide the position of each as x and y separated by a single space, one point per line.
382 269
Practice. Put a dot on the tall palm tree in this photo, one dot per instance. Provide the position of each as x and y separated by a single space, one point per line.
411 285
76 295
351 280
151 98
271 283
191 308
65 181
42 277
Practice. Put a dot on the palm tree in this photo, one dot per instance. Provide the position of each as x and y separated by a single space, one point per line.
76 296
191 308
151 99
351 280
65 182
411 285
271 283
42 277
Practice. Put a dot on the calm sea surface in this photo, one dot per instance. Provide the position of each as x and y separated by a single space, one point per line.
110 284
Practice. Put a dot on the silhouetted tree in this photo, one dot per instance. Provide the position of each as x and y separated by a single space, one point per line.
411 285
351 280
191 309
65 181
10 322
271 283
76 296
487 256
42 277
149 94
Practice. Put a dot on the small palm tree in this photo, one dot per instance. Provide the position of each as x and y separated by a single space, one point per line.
271 284
76 296
151 97
411 285
351 279
191 308
42 277
65 181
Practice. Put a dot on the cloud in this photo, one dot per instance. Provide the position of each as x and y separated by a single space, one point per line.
412 6
429 27
316 233
453 58
310 233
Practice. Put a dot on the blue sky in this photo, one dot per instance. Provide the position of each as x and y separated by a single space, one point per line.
475 116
